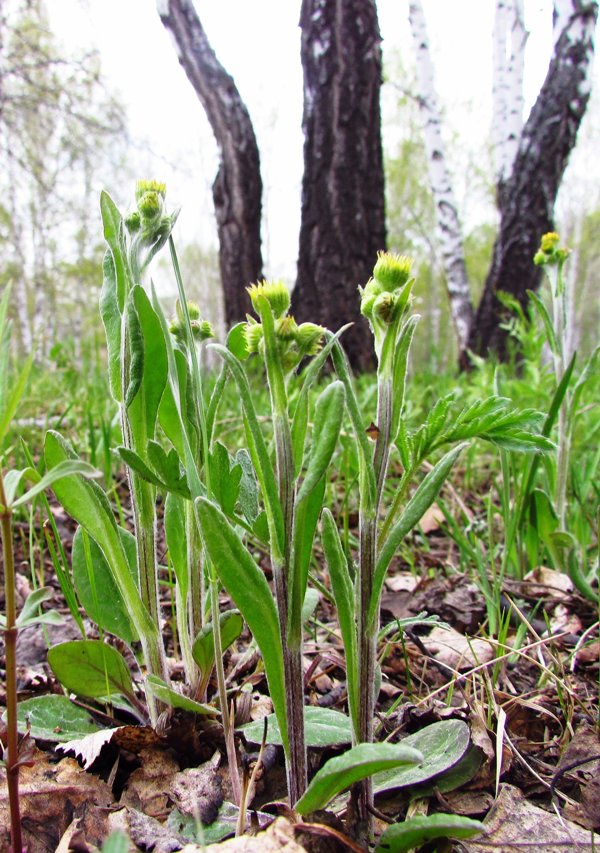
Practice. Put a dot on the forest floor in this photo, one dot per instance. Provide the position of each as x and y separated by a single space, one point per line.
532 713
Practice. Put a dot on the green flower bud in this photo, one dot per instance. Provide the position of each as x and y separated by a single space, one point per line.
150 208
133 222
309 338
549 242
385 308
392 271
253 336
276 294
202 330
368 296
286 328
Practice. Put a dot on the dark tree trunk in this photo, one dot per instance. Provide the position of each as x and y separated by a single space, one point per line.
237 189
526 200
343 223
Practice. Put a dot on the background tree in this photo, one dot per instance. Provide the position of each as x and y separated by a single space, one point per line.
237 190
531 159
51 110
343 215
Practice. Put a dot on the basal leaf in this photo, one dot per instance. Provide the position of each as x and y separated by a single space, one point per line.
172 697
416 831
54 718
203 649
357 763
90 668
322 727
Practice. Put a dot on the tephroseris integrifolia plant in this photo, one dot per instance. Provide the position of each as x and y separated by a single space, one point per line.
292 491
138 364
386 303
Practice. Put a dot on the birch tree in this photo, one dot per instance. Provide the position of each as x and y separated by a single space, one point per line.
531 157
237 190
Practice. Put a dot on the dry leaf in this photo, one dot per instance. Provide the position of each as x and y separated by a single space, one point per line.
513 820
457 651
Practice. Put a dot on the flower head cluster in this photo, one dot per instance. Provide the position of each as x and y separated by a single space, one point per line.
294 341
550 252
148 225
201 329
387 296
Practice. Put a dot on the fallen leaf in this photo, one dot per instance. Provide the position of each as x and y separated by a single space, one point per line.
456 650
432 519
198 792
147 788
513 819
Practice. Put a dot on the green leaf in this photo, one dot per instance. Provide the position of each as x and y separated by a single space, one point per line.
247 586
30 615
343 594
236 341
117 842
90 668
403 345
85 501
306 517
63 469
546 320
322 727
248 496
443 744
311 600
203 649
176 536
96 588
329 411
357 763
134 461
416 831
258 451
414 511
54 718
223 825
174 699
152 365
225 478
300 419
9 406
168 467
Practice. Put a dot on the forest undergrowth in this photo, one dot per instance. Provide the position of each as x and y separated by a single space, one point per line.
404 568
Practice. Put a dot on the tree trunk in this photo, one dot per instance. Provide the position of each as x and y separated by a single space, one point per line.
510 38
526 200
237 189
343 221
448 224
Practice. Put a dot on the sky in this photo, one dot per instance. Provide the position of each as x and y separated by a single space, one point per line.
258 42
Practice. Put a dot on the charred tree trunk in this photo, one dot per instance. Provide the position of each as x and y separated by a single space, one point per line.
343 223
237 189
526 200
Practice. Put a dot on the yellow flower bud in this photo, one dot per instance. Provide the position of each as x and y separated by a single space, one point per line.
276 294
392 271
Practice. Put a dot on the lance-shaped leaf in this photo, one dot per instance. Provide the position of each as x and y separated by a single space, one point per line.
172 697
85 501
357 763
424 496
306 517
416 831
225 478
247 586
203 649
329 411
258 450
96 588
343 594
148 366
63 469
300 419
399 371
90 668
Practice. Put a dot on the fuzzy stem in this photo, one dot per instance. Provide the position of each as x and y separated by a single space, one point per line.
10 647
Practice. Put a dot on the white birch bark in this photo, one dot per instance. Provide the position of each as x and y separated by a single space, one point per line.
449 228
510 38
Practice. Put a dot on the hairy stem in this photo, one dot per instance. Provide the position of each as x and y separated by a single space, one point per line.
10 646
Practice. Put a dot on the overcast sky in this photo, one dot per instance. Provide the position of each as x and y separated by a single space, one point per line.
258 41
